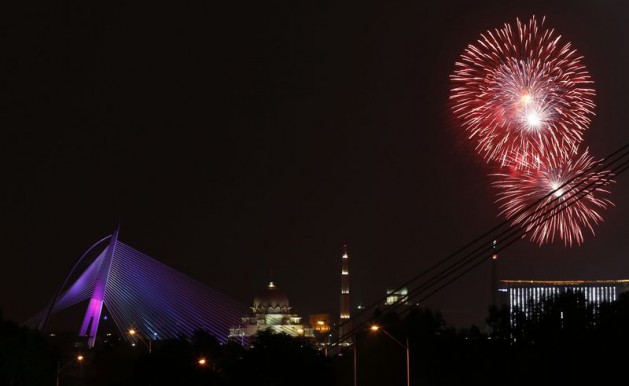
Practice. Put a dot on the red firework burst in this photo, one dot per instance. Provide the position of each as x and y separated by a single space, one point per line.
560 199
521 95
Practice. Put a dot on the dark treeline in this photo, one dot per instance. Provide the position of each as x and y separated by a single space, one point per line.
29 358
274 360
561 341
25 357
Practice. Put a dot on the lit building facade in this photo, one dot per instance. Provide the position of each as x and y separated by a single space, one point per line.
320 323
271 311
397 297
524 295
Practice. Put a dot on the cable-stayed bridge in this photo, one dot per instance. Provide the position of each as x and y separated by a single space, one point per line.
141 293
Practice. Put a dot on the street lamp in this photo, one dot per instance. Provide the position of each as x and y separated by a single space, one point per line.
356 361
376 328
148 344
79 358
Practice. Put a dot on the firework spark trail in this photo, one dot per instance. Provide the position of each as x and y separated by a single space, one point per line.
525 100
563 183
475 253
521 96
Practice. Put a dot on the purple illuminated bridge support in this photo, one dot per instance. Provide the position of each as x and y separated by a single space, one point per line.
141 293
89 327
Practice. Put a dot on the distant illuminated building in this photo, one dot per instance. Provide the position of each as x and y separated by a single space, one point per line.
397 297
321 328
320 323
271 311
524 295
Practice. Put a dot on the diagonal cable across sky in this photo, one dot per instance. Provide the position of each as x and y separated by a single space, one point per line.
478 251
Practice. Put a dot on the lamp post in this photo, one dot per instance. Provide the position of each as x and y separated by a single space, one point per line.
134 333
376 328
204 362
79 358
355 361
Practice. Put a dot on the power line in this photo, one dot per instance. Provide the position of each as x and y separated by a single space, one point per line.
597 175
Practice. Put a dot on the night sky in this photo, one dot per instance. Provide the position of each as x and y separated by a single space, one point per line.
234 138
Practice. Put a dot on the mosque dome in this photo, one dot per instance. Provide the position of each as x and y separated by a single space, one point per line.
271 298
271 312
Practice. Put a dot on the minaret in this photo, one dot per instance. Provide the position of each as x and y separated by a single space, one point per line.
345 301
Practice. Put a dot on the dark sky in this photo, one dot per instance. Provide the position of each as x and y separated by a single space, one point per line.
231 138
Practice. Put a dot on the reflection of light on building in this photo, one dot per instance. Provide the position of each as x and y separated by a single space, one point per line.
393 297
271 311
525 295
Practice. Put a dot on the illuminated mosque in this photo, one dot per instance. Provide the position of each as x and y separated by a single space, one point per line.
271 311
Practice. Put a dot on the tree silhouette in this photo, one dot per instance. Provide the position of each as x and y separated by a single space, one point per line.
280 359
24 356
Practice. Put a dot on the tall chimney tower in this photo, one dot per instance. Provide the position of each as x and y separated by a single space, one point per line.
345 301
